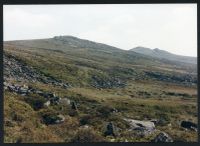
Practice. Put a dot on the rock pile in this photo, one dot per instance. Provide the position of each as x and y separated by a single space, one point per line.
24 90
14 69
184 79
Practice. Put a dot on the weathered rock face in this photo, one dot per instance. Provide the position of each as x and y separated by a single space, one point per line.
162 137
15 69
143 128
189 125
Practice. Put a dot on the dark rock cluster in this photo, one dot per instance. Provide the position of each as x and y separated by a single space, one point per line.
112 82
186 79
14 69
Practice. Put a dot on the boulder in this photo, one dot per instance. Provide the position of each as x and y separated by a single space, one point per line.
55 100
23 90
65 101
38 92
11 88
143 128
114 110
73 105
109 129
47 103
162 137
189 125
51 95
60 119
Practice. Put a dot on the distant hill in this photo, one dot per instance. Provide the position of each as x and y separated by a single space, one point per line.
157 53
63 43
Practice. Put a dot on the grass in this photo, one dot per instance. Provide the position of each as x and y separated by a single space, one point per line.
143 98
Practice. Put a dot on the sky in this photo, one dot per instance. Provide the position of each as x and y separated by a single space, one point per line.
169 27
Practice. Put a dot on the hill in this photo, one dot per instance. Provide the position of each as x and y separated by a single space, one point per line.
66 89
157 53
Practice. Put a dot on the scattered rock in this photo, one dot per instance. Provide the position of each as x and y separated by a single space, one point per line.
51 97
99 82
184 79
162 137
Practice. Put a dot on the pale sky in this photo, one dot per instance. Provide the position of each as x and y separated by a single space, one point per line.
170 27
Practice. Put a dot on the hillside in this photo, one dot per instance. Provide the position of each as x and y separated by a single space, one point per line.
157 53
66 89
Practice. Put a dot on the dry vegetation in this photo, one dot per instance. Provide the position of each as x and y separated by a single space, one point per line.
142 97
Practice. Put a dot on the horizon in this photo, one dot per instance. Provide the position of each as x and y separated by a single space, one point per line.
170 27
104 44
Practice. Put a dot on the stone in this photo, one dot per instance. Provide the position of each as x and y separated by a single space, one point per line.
162 137
60 119
64 101
137 123
85 126
11 88
73 105
47 103
155 121
114 110
109 130
51 95
143 128
38 92
23 90
189 125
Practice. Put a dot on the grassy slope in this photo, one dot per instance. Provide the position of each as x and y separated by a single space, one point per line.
76 66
